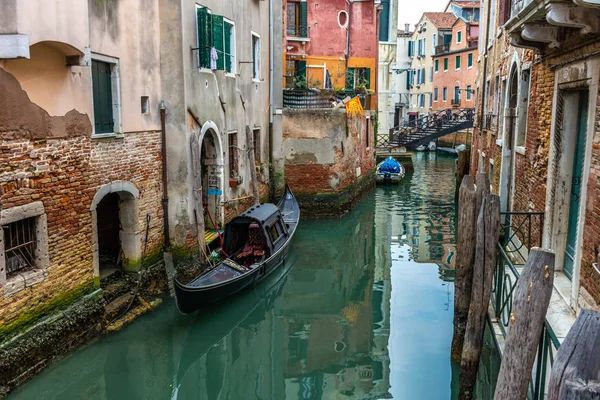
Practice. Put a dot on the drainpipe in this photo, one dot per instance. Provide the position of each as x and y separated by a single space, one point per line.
165 199
349 25
271 49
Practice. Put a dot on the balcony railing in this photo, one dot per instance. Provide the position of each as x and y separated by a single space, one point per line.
298 31
519 232
442 48
320 98
455 102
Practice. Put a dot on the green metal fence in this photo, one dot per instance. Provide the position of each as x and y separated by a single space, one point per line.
517 239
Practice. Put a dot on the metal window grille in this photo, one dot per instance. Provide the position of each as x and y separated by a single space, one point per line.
20 244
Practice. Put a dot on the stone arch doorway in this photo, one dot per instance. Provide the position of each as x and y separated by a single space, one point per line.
116 235
211 172
510 119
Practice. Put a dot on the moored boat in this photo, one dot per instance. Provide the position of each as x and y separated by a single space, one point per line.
255 244
389 171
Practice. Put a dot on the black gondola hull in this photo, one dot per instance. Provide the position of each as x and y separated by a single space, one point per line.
192 297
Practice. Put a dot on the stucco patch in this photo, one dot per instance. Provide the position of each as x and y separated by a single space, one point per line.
20 118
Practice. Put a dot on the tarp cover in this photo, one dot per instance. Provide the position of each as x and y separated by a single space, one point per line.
390 165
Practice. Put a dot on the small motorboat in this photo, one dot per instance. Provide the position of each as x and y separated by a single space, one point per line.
255 244
389 171
431 146
421 148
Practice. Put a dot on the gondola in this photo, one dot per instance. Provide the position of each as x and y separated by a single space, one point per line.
255 244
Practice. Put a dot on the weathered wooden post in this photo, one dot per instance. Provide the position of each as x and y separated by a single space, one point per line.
197 187
483 190
531 299
465 253
462 169
576 370
486 250
252 166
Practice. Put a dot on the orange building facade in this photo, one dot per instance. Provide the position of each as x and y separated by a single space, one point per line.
455 69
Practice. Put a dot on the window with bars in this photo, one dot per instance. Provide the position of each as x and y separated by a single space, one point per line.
19 245
357 77
233 155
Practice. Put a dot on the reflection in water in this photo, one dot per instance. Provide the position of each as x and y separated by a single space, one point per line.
362 310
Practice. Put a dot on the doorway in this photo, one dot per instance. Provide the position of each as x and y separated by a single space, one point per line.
506 171
576 181
211 174
109 242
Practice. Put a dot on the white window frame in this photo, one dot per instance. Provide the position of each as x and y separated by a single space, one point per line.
116 96
232 49
469 66
435 94
256 75
458 36
469 93
434 40
460 62
445 94
25 279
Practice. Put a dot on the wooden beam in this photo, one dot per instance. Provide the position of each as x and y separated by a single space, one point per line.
488 234
531 298
465 254
578 361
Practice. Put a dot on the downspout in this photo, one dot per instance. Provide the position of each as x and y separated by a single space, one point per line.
271 156
347 55
485 58
165 199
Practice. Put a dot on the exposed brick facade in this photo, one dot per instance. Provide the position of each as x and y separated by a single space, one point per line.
531 162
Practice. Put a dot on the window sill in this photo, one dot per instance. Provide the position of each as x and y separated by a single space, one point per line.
499 142
230 75
206 70
520 150
256 80
23 280
108 136
297 39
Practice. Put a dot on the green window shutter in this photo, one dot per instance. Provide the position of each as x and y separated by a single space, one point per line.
411 48
437 65
408 73
227 49
368 77
301 71
204 36
102 95
384 21
445 64
470 60
303 28
218 42
350 78
457 62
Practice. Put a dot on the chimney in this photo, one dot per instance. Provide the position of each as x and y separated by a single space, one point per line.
407 28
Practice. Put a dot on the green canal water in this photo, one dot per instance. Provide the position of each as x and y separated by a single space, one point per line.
361 310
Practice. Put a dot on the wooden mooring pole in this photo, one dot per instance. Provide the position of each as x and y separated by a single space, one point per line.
488 233
469 205
531 298
576 370
465 254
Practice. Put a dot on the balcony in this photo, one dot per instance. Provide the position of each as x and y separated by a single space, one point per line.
298 32
321 98
442 48
541 24
455 102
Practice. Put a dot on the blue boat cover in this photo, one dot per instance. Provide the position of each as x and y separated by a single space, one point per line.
390 165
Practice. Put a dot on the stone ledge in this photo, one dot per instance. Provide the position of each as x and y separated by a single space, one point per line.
14 46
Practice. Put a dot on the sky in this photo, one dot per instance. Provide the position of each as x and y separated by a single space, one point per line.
411 10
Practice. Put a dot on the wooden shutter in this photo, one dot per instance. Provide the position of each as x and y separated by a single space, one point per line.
102 95
204 37
301 71
227 47
368 77
504 11
303 29
411 48
218 42
408 73
384 21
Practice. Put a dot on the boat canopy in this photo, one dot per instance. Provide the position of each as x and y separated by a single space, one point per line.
268 219
390 165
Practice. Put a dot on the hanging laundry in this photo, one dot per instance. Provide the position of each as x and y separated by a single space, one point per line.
213 58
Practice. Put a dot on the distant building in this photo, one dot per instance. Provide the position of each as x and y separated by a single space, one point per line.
387 95
466 10
434 29
455 68
332 45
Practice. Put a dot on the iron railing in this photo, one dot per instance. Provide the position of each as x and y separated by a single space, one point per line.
298 31
519 232
442 48
321 98
455 102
